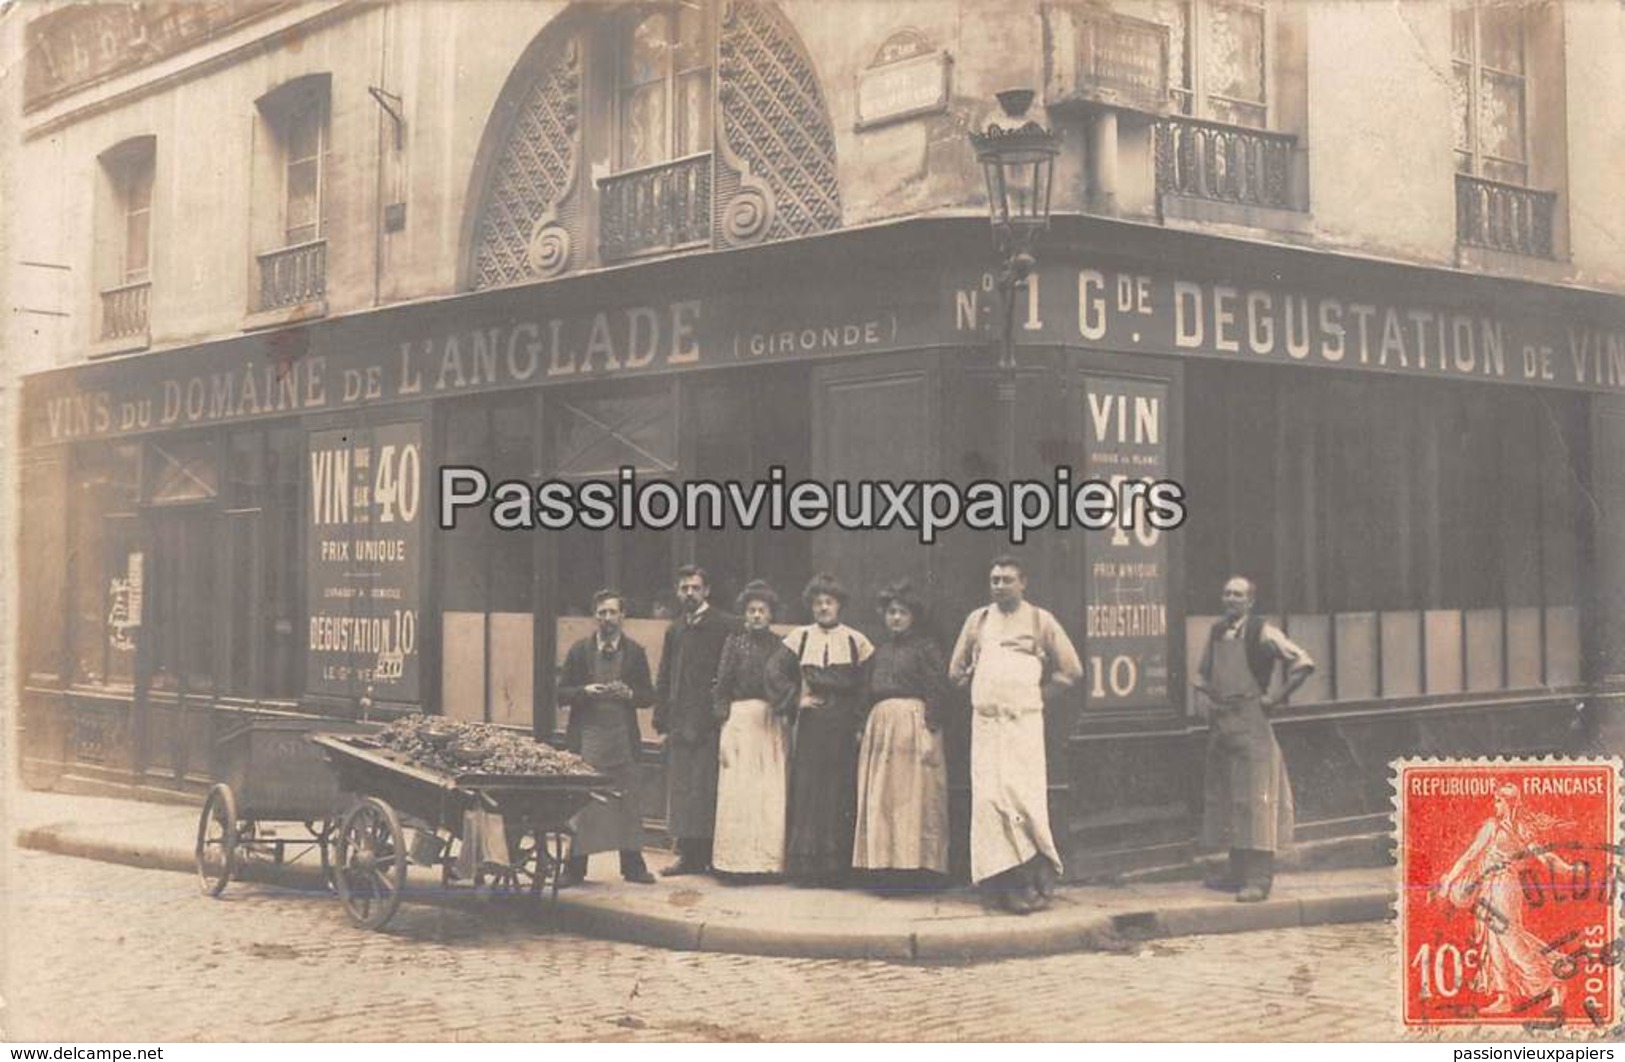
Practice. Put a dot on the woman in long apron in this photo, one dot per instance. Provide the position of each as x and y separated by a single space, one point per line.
902 820
752 704
827 661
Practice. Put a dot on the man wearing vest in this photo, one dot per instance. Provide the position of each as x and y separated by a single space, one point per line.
1015 657
684 713
1247 798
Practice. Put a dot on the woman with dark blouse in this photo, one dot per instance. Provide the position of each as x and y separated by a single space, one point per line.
902 821
752 705
826 664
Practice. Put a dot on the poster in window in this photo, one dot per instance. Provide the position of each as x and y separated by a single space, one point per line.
363 559
1126 637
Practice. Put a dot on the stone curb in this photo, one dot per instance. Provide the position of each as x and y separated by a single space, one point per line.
923 941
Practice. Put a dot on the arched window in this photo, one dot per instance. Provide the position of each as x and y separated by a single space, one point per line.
663 87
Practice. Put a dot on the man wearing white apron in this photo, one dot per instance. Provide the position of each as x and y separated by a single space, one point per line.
1013 655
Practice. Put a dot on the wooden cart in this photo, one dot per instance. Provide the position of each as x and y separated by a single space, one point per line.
274 783
371 851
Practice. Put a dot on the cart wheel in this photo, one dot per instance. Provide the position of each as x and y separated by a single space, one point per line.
532 865
371 863
216 851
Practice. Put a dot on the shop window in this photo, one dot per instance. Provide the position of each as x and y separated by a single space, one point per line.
290 189
1217 59
1417 537
485 575
108 569
125 246
43 540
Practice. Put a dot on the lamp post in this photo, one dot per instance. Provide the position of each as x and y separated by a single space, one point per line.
1018 161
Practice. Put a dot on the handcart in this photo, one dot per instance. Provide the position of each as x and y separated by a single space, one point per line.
371 851
272 778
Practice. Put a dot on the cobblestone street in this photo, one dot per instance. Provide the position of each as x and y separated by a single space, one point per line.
105 952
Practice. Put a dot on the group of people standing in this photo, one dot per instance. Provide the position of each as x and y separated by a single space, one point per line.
816 753
810 755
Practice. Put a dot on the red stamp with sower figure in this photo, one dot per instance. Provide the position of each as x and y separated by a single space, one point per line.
1511 875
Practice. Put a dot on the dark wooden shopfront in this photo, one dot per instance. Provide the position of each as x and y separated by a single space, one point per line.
723 365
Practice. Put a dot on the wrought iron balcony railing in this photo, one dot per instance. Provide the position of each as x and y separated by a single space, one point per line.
1228 163
124 310
1504 217
293 275
658 208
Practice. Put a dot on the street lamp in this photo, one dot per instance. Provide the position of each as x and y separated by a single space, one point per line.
1018 161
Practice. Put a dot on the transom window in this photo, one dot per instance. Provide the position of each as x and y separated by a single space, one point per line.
1216 59
1488 59
663 92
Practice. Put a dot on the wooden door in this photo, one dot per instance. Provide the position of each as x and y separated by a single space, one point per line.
876 419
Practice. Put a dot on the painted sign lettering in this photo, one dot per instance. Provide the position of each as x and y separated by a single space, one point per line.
364 505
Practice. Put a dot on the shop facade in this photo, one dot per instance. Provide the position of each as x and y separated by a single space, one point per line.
1413 466
706 241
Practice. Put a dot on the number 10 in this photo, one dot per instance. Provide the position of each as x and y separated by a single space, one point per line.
1123 675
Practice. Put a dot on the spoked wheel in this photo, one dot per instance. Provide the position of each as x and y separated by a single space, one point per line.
370 863
528 865
216 851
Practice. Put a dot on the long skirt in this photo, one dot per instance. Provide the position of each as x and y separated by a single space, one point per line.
823 794
1247 798
1009 794
902 821
752 789
614 826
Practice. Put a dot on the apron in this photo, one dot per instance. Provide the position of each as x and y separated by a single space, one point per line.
1247 799
1009 822
607 744
902 791
752 789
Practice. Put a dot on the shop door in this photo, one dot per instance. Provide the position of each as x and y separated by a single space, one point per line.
181 615
876 419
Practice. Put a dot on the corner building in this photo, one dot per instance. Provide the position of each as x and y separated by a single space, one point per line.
278 263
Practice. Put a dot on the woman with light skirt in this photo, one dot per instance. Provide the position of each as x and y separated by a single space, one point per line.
753 707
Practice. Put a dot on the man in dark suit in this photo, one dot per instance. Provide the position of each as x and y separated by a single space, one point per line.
683 712
605 681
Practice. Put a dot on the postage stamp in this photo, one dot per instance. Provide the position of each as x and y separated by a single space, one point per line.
1511 873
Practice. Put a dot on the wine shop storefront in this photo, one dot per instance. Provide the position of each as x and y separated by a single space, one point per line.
1419 468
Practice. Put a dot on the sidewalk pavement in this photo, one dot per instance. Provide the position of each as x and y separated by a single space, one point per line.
696 913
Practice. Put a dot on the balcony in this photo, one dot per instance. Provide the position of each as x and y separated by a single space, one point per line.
666 207
124 311
293 276
1224 163
1504 217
